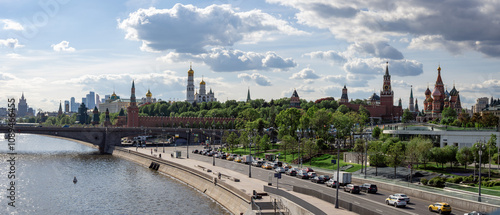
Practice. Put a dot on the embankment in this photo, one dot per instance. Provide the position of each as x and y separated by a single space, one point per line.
231 198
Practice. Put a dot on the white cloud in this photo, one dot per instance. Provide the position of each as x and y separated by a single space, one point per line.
11 43
378 49
335 56
62 47
11 25
189 29
259 79
224 60
306 73
457 26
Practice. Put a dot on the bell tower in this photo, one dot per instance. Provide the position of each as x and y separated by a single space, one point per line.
387 95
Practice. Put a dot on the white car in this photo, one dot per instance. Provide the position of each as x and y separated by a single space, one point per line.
280 169
396 201
400 195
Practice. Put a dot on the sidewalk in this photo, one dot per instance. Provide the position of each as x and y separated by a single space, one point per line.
245 184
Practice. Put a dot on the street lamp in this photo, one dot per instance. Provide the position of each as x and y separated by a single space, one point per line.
163 134
250 147
481 146
338 174
366 154
300 138
187 143
213 146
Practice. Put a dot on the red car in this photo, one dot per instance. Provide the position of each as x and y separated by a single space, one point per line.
308 169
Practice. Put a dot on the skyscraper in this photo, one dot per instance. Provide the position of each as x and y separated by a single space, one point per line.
97 100
90 100
22 107
66 106
74 106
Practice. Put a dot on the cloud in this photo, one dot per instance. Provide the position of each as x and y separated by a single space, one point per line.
10 43
456 26
336 57
259 79
433 42
6 76
378 49
352 80
189 29
224 60
62 47
11 25
306 73
373 66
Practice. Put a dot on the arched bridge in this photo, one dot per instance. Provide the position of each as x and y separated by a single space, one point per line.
108 137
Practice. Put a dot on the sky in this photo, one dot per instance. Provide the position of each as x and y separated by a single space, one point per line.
53 50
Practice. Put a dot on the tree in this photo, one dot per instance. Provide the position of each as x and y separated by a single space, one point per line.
412 152
395 152
465 156
424 147
343 124
311 147
265 143
232 141
288 120
376 132
321 122
244 138
287 142
439 156
376 155
408 116
343 109
359 148
450 153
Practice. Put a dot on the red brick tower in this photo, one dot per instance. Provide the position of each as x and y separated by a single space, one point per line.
387 95
132 110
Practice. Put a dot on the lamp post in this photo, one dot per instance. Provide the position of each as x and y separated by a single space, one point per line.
300 138
338 174
187 143
481 147
163 134
213 146
366 154
250 165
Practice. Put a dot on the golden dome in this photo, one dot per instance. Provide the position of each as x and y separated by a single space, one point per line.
149 94
190 71
202 82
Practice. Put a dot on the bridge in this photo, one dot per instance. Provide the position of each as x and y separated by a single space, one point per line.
105 138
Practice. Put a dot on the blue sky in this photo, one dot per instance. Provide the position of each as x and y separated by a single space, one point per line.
56 49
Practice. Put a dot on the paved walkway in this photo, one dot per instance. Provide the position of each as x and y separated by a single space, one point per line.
245 184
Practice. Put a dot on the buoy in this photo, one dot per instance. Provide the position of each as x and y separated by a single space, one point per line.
74 180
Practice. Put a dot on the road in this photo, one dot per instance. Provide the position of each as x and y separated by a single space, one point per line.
373 201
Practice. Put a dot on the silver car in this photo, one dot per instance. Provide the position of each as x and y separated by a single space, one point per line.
400 195
396 201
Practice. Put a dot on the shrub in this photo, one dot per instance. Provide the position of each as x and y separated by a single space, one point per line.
424 181
455 180
437 181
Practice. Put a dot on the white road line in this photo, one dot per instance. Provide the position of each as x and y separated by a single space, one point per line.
379 210
356 203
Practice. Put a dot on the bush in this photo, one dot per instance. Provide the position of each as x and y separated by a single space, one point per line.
455 180
437 181
424 181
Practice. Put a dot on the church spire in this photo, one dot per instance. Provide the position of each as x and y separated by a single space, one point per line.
248 95
132 94
60 112
387 68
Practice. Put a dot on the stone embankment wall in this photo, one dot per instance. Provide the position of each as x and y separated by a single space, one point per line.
231 198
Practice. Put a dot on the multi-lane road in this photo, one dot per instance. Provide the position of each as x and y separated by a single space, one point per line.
371 201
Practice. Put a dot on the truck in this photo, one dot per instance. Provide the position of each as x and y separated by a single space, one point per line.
344 177
246 159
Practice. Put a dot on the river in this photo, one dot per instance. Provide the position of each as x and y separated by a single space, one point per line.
44 171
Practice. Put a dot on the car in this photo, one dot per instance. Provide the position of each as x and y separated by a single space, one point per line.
302 174
280 169
267 166
237 159
351 188
440 207
257 163
286 165
325 177
369 188
331 183
475 213
318 179
308 169
229 158
223 156
195 151
311 174
396 201
291 172
403 196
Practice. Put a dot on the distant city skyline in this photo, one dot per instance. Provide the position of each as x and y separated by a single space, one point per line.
55 52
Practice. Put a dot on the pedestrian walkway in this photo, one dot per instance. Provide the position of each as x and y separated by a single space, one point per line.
245 184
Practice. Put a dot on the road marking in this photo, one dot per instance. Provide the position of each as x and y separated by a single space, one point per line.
379 210
356 203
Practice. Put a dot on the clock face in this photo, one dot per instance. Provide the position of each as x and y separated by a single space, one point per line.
386 87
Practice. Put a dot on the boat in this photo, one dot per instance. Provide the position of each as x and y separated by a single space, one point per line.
74 180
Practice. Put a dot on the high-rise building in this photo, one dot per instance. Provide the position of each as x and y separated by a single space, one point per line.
90 100
66 106
74 106
22 107
481 103
84 101
97 100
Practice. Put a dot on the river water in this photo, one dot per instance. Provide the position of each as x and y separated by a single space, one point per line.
44 171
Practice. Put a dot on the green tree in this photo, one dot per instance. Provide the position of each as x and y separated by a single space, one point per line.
395 154
408 116
287 142
450 152
376 132
321 122
232 141
343 109
311 148
424 151
265 143
439 156
465 156
377 157
288 120
359 148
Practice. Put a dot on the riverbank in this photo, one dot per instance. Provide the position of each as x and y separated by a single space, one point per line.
244 185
